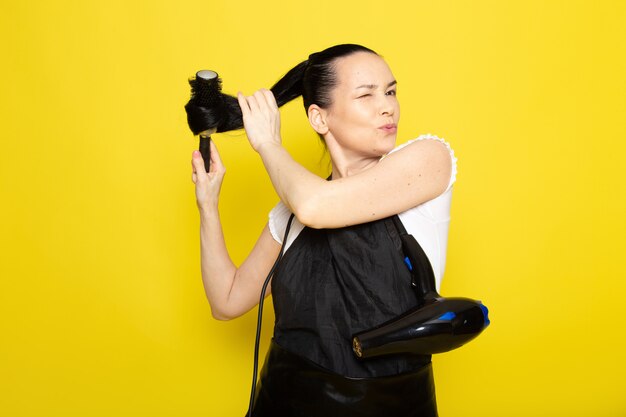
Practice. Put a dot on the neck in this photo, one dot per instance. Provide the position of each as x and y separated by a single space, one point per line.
345 165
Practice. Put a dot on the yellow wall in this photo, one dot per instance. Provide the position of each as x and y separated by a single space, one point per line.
102 310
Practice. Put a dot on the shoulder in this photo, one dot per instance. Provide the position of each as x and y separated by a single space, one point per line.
434 147
277 223
426 140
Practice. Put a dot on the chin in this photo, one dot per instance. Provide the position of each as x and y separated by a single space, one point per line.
388 145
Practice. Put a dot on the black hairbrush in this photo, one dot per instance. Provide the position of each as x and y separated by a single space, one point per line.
210 111
205 109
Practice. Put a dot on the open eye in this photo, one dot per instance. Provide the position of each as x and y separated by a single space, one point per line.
391 93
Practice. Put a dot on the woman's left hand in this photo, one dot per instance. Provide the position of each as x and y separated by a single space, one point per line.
261 118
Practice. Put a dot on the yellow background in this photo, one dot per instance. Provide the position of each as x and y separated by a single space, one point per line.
102 310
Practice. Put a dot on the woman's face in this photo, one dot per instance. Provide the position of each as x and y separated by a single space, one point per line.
364 113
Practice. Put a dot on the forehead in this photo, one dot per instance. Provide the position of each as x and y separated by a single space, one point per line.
362 68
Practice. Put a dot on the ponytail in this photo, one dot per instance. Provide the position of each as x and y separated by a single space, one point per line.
286 89
313 79
291 85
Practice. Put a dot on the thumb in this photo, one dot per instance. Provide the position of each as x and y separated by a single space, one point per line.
198 164
216 160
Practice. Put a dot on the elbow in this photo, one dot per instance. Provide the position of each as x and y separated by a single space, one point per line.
308 212
221 314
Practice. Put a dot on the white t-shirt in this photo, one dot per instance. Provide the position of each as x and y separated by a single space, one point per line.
428 222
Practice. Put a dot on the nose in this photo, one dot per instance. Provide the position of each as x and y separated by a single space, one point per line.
386 106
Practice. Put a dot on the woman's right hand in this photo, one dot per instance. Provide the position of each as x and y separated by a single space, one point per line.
208 184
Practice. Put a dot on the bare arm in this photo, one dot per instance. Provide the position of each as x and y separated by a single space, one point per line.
231 291
413 175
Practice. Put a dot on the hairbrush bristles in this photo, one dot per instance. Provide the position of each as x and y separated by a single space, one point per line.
205 109
206 92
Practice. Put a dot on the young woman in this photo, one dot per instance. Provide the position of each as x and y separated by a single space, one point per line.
341 272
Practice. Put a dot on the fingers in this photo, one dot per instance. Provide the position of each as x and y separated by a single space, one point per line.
243 103
261 118
260 100
266 100
269 97
197 164
248 104
216 160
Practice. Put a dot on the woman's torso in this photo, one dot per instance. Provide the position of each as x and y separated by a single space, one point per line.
333 283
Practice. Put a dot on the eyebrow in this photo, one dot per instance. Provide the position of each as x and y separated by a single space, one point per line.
373 86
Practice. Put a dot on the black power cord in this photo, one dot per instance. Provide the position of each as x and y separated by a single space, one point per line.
260 317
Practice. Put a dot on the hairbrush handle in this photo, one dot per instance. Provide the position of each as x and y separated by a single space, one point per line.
205 150
205 147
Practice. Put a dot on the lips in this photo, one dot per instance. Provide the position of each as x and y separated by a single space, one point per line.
390 128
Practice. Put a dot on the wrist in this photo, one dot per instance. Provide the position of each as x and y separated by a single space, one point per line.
268 144
208 210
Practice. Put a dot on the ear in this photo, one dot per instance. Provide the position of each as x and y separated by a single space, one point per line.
317 119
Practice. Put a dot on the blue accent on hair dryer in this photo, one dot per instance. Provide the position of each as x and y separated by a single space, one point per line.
407 261
447 316
485 313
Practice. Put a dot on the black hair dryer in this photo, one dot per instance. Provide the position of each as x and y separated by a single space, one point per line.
204 109
436 325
